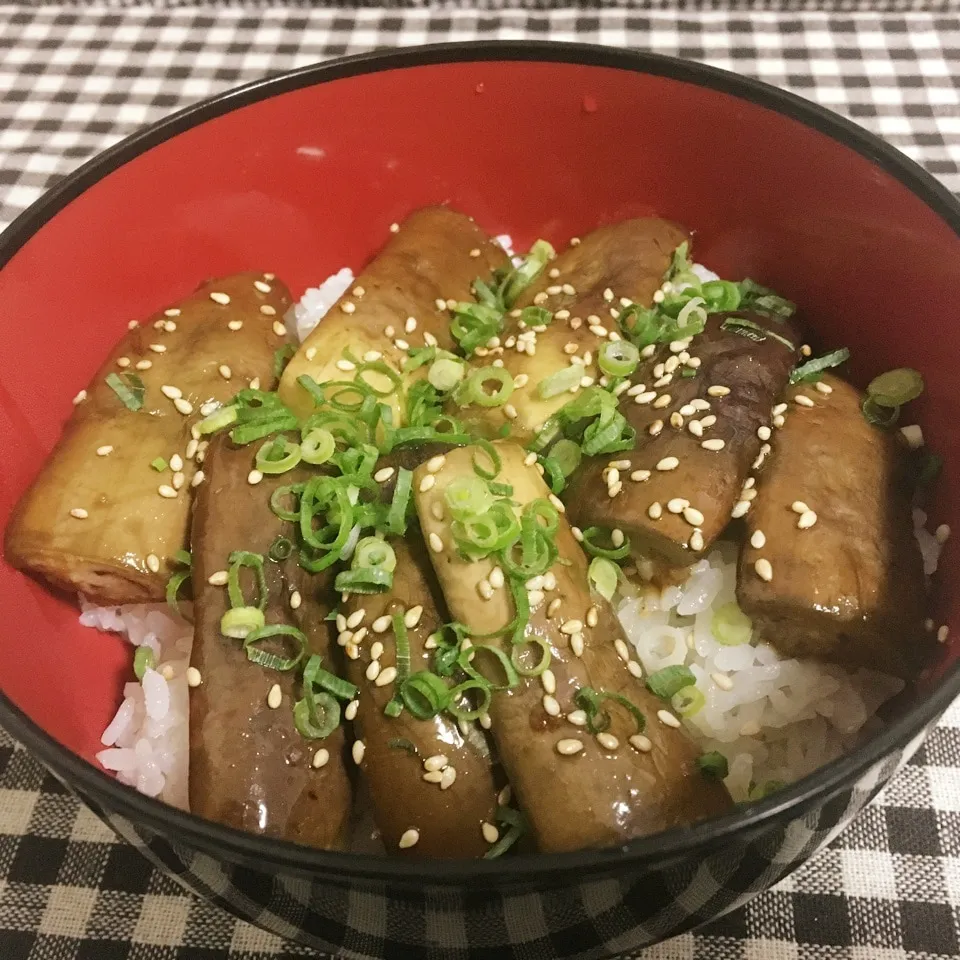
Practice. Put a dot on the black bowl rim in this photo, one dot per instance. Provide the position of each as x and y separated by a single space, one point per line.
646 852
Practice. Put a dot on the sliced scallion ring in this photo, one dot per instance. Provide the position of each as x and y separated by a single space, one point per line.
487 448
731 626
446 373
217 420
590 537
560 381
518 657
688 701
273 661
143 660
486 387
318 446
464 692
604 574
618 358
468 497
424 694
316 716
466 662
239 622
895 387
567 455
375 552
268 461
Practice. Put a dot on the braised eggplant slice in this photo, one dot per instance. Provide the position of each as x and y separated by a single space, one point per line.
431 261
577 790
249 765
697 437
424 775
829 567
100 519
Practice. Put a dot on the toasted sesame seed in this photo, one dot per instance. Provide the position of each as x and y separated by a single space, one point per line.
639 742
608 741
80 397
105 450
553 607
677 504
178 480
274 697
668 463
412 617
383 475
655 428
321 758
279 329
356 618
254 477
427 483
171 393
267 310
623 652
655 511
676 420
640 475
693 516
436 544
593 617
807 519
311 353
798 506
824 388
943 633
386 677
750 729
551 705
758 539
193 677
153 563
165 490
634 669
803 400
348 306
569 746
373 670
942 533
410 837
664 400
80 514
577 717
764 569
198 478
572 626
668 719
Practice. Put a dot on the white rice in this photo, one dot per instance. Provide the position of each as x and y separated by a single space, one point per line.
147 741
781 719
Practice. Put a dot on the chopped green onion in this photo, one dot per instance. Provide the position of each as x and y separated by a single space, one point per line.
143 660
486 447
529 269
731 626
535 316
424 694
518 660
688 373
476 388
467 497
318 446
608 553
183 557
811 370
688 701
396 522
516 827
129 388
567 455
268 461
479 536
446 373
721 296
713 765
240 622
879 416
666 682
281 357
316 716
692 318
500 489
276 499
402 743
552 474
237 560
176 581
315 676
460 704
401 640
364 580
598 720
474 324
761 300
159 464
604 574
280 549
618 358
745 328
560 381
760 791
217 420
466 663
375 552
895 387
273 661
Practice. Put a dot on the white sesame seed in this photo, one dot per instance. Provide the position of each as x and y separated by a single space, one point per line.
577 534
437 762
123 361
359 635
758 539
386 677
341 622
655 511
798 506
169 327
436 544
496 578
664 400
267 310
198 478
620 646
80 514
105 450
381 624
535 597
639 742
183 406
350 710
764 569
410 837
449 774
715 444
576 644
412 617
717 391
321 758
807 519
348 306
803 400
655 428
569 746
677 504
608 741
143 364
427 483
373 670
356 618
279 329
193 677
693 516
696 540
668 719
383 475
153 563
254 477
554 607
551 705
165 490
222 298
171 393
274 697
942 533
178 480
571 626
646 397
824 388
558 503
668 463
640 475
346 365
549 681
634 669
311 353
943 633
433 776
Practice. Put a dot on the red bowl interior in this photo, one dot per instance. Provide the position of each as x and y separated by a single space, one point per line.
309 180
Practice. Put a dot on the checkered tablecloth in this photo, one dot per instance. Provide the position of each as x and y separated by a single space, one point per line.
74 79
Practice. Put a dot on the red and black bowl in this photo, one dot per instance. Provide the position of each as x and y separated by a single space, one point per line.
301 174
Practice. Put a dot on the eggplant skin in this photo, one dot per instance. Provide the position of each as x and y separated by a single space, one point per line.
249 766
449 820
600 797
850 587
106 556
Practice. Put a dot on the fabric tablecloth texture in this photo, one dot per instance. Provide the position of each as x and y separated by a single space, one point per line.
77 79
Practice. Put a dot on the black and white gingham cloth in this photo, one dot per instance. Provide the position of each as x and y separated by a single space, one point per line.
74 80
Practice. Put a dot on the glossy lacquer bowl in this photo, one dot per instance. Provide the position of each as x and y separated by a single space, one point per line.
302 174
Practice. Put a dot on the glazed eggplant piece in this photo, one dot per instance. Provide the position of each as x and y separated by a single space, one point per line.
431 261
698 438
250 768
99 519
830 567
576 790
423 775
580 288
